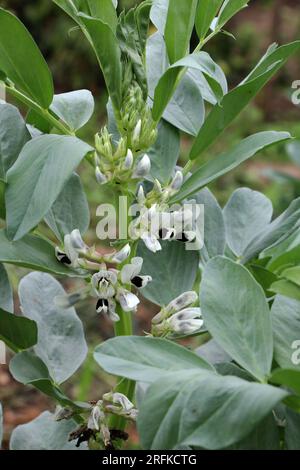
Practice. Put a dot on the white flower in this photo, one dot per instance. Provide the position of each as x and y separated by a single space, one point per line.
73 246
151 242
108 307
179 303
130 273
142 168
96 417
104 283
186 321
121 405
120 256
127 300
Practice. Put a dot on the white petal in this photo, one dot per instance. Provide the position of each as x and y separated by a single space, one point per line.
128 162
186 326
182 301
76 240
187 314
151 243
131 270
141 195
71 252
137 131
100 177
142 168
128 300
121 255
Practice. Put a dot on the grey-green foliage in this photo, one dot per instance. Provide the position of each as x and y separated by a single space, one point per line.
61 343
44 433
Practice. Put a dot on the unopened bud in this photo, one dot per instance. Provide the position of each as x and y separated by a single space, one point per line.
143 167
177 181
128 162
141 195
137 132
100 177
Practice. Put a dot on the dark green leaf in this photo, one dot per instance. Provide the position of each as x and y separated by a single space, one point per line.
22 62
108 54
207 10
232 103
17 332
225 162
37 178
179 27
229 9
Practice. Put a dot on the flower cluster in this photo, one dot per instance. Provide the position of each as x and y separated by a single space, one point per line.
110 286
179 317
122 161
157 221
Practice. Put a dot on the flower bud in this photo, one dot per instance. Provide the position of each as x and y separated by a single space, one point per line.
186 321
182 301
157 187
100 177
143 167
141 195
177 181
121 255
137 132
128 162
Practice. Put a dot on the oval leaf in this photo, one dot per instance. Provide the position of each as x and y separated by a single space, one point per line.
22 62
236 313
37 178
61 343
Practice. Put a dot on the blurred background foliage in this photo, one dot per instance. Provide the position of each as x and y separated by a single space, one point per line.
276 171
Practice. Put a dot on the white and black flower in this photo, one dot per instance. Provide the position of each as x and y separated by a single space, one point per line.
130 273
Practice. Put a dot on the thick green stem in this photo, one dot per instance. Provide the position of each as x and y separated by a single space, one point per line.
44 113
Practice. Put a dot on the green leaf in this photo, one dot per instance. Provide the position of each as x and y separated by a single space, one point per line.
175 265
17 332
37 178
44 433
13 136
74 108
236 313
280 262
70 210
146 359
108 54
292 274
286 330
200 61
229 9
61 343
142 18
22 62
227 161
263 276
165 152
207 10
287 377
214 227
35 253
233 103
105 11
179 27
280 229
265 436
6 292
185 110
286 288
203 410
292 430
246 214
29 369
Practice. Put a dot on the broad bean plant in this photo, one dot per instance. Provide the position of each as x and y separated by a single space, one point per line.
231 282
